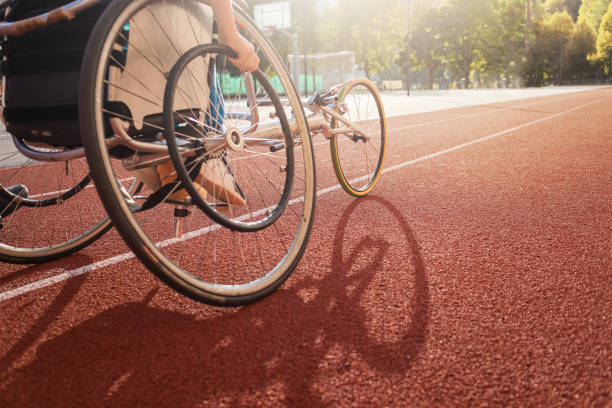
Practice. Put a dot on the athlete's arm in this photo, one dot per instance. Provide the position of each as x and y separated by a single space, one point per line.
247 60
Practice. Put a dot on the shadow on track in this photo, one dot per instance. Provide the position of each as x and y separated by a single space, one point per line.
366 317
19 272
15 272
40 326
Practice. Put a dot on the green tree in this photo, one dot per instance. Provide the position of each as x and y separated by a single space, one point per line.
593 11
545 57
581 44
427 46
604 42
506 47
558 6
534 13
470 28
374 31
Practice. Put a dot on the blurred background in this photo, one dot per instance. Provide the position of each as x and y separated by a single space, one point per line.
442 44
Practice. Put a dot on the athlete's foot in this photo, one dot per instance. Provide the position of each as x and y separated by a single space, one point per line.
167 174
218 180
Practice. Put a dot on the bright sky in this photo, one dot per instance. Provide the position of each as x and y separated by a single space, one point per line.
325 3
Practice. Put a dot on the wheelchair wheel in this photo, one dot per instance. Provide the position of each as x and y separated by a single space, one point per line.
358 161
47 209
130 56
229 147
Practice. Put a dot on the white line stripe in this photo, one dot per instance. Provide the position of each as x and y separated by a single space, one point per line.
482 139
472 115
123 257
90 185
64 276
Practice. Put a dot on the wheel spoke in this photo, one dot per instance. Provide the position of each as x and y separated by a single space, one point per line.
228 253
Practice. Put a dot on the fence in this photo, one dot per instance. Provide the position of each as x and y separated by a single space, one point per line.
234 85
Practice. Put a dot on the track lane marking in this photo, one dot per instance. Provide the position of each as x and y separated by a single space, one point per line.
128 255
493 110
491 136
471 115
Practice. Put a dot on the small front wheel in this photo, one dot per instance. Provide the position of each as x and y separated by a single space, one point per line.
358 155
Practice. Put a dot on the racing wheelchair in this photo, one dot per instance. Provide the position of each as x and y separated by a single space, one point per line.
207 173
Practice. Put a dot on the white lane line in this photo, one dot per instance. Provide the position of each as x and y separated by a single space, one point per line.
123 257
491 136
90 185
471 115
64 276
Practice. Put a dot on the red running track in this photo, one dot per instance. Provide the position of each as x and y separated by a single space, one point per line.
477 274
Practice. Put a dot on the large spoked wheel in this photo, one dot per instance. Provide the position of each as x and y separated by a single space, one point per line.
358 157
47 209
248 186
134 46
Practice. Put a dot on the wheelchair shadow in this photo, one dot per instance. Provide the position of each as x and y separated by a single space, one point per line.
14 272
358 316
40 326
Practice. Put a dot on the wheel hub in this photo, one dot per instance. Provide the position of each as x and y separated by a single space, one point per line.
235 139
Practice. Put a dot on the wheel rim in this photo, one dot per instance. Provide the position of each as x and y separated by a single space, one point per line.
208 262
358 162
61 214
230 147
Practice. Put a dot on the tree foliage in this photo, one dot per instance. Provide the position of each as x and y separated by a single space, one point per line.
604 41
558 6
593 11
505 51
374 31
545 58
577 53
429 50
531 42
468 31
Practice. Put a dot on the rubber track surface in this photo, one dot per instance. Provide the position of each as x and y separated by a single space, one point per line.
477 274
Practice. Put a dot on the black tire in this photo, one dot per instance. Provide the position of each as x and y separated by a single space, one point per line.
249 181
208 263
56 212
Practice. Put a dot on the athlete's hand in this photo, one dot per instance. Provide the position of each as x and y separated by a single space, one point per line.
247 60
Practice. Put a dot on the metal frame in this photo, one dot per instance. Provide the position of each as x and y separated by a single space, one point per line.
324 106
67 13
64 13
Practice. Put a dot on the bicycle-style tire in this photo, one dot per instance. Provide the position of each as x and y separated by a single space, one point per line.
358 163
208 262
60 215
231 217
